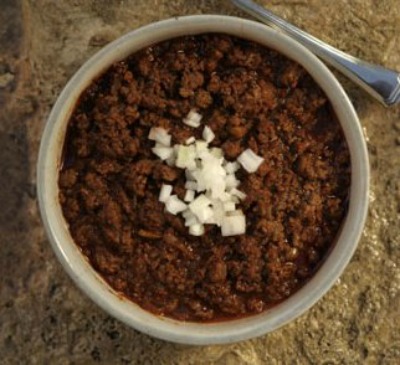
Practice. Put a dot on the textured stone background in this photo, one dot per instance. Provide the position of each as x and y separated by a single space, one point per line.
45 319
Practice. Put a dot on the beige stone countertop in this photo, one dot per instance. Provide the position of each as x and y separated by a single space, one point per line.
45 319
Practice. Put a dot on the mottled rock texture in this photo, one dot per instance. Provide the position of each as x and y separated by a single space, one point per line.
45 319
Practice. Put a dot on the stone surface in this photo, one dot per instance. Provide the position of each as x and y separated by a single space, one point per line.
45 319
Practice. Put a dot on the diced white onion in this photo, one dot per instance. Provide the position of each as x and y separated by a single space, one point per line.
189 196
217 152
171 160
189 175
226 197
191 185
165 193
203 155
238 193
200 207
160 135
231 181
219 212
208 134
233 225
163 153
185 157
200 146
196 230
190 218
231 167
250 161
235 212
193 166
208 174
193 119
211 219
190 221
190 140
200 202
187 213
218 188
174 205
205 214
229 206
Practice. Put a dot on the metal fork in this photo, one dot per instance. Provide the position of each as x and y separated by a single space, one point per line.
383 84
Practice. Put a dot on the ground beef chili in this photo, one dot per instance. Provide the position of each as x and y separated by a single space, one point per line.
251 97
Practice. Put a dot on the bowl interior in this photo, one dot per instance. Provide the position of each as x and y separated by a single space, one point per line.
90 282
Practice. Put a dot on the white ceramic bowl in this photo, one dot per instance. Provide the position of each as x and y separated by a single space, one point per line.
92 284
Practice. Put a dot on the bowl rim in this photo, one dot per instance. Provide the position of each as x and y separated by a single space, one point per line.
128 312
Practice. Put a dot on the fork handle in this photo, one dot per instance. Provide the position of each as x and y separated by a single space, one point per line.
382 83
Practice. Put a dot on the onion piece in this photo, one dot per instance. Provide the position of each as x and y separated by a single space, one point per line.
229 206
190 140
193 119
160 135
200 146
233 225
218 188
163 153
200 207
234 213
165 193
208 134
171 160
190 218
189 196
187 213
238 193
231 181
199 181
200 202
196 229
217 152
231 167
250 161
190 221
189 175
174 205
225 197
206 214
185 157
219 212
191 185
